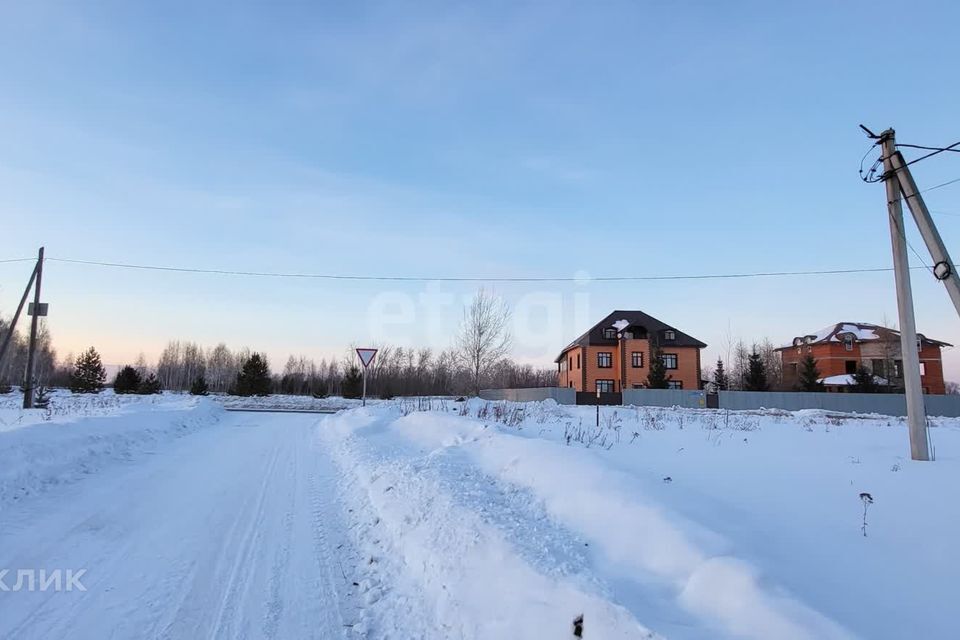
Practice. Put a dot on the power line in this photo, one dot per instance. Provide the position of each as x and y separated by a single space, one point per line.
325 276
17 260
942 184
937 149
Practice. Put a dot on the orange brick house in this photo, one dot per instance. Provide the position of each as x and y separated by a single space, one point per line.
615 355
842 348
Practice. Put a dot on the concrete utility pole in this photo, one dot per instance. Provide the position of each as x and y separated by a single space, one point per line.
943 268
916 414
28 383
16 317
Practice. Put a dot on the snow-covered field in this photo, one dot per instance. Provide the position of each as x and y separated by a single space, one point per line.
438 519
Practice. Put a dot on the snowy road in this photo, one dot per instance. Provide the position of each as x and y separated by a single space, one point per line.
233 531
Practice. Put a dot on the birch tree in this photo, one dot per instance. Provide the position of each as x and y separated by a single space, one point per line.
484 337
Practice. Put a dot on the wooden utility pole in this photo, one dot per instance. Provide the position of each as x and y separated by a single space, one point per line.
909 353
28 382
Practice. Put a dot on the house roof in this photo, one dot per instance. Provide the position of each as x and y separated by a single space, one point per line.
622 320
861 332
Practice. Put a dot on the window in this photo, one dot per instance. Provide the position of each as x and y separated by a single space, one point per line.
636 359
669 334
578 361
674 384
571 385
848 342
669 360
879 368
605 386
898 368
638 386
610 333
923 368
851 366
605 359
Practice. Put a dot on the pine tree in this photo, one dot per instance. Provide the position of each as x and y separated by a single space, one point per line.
352 386
199 386
149 385
88 374
320 389
253 379
809 377
127 380
657 377
864 382
756 379
720 376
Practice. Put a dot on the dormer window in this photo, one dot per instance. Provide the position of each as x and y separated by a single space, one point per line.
669 334
848 342
610 333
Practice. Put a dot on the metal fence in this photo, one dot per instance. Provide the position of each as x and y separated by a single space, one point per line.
560 394
890 404
665 398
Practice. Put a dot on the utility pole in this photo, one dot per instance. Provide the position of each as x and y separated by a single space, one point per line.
943 268
16 317
916 414
28 383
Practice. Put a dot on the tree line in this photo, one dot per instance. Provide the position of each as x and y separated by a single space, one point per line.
477 358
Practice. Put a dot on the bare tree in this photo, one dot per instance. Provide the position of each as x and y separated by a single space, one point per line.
484 337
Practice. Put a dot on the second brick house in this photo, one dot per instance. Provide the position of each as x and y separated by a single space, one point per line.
842 348
615 355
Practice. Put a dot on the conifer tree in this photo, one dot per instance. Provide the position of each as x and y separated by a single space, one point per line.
88 374
352 386
864 382
657 377
720 376
127 380
809 377
253 379
756 379
149 385
199 386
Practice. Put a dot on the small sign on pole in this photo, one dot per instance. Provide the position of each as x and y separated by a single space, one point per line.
37 310
366 357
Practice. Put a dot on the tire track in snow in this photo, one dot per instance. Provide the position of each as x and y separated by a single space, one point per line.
241 567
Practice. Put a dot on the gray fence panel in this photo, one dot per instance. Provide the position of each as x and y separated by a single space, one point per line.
560 394
665 398
884 403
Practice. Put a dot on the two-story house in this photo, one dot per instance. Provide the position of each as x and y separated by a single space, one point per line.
842 348
615 355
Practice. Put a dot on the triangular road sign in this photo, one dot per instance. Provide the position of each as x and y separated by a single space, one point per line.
366 356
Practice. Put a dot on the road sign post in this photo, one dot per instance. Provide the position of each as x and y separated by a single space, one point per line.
366 357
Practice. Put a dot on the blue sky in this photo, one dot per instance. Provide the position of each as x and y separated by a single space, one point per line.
470 139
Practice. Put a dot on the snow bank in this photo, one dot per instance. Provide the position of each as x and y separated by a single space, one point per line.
42 454
609 509
471 579
69 407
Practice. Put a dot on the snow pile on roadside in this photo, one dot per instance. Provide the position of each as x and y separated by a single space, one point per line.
698 523
35 457
287 402
67 407
468 579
